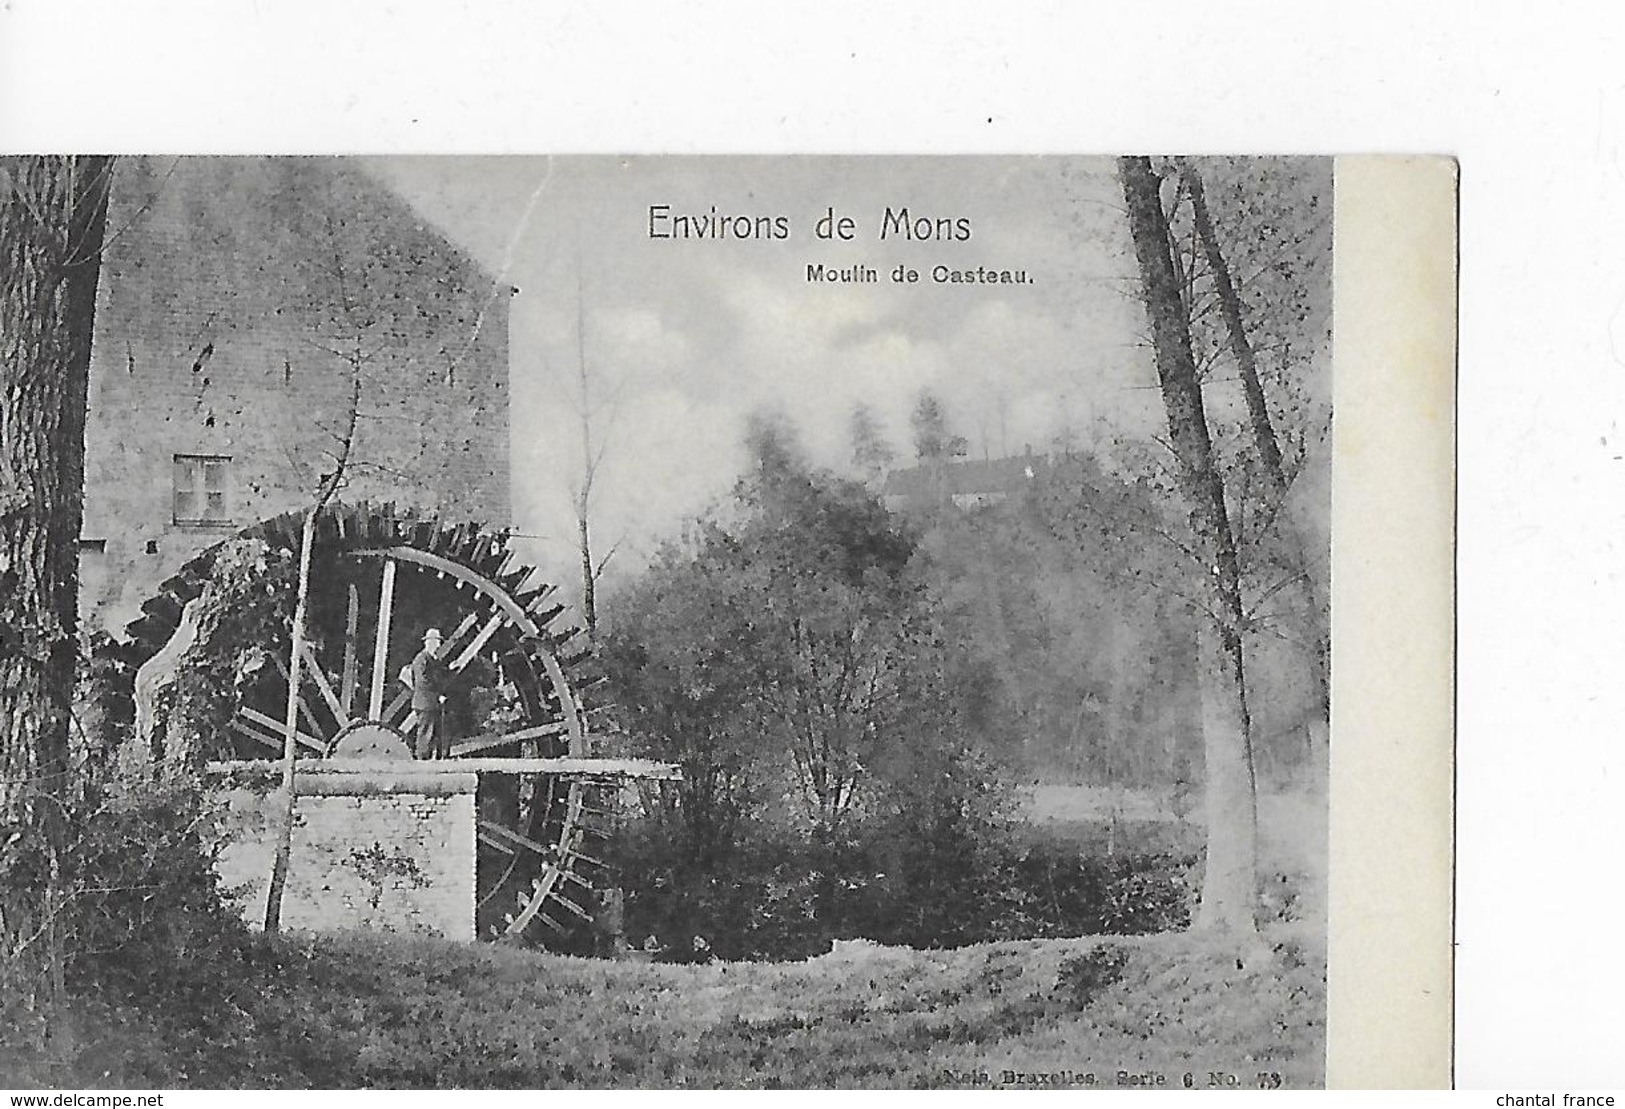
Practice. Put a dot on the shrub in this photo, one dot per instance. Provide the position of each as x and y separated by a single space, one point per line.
754 900
933 876
140 921
1082 977
148 919
941 856
1069 894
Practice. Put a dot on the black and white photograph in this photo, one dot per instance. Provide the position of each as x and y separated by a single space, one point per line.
767 619
666 621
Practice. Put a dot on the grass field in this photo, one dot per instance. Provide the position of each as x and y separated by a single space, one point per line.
382 1011
379 1010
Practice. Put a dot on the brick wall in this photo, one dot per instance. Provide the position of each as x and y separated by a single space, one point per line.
233 292
388 851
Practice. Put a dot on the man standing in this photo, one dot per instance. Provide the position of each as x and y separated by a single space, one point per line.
428 678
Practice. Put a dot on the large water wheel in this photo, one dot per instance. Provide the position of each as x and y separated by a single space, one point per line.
379 579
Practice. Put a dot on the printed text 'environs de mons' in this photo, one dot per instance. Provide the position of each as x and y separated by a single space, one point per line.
894 224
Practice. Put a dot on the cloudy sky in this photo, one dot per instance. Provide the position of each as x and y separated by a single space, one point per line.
684 338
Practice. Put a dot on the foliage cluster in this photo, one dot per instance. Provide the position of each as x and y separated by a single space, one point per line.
138 916
247 604
926 877
790 662
773 899
142 920
1071 603
1078 604
378 868
1083 976
814 667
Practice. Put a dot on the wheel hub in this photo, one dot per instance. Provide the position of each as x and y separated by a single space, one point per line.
369 739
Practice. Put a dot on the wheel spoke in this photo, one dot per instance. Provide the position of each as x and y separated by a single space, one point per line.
304 709
242 728
456 636
393 710
352 619
538 894
380 650
473 648
577 856
559 899
247 716
475 744
319 678
509 836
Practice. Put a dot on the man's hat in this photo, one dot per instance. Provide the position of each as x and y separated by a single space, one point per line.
432 633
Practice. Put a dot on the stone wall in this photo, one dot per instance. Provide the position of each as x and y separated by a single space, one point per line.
385 850
234 295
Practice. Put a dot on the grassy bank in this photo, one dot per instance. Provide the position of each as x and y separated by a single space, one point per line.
396 1012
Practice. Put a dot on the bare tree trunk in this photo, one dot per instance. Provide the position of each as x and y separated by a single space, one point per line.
589 586
1269 452
53 215
589 469
284 847
290 724
1229 884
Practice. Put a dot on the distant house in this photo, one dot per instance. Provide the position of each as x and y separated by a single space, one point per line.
234 294
966 483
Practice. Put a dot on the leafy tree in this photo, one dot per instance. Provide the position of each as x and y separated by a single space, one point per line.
1297 577
1069 603
1228 888
670 650
789 660
872 456
930 426
808 604
1241 348
934 440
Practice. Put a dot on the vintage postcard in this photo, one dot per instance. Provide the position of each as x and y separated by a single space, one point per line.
954 622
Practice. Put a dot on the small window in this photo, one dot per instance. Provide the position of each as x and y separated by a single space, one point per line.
202 489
